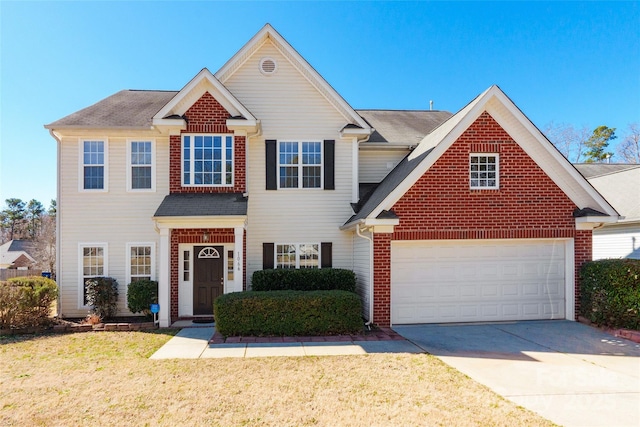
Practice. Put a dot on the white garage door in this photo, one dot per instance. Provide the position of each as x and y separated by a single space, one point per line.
480 280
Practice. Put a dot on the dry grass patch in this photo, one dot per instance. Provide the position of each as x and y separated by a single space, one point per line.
107 379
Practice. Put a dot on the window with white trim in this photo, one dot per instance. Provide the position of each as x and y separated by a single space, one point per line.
93 160
140 172
300 164
483 171
305 255
93 263
140 261
207 160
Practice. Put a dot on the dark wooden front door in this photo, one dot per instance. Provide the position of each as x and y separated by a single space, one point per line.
208 277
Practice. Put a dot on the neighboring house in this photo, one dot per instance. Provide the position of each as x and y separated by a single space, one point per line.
620 185
16 254
444 218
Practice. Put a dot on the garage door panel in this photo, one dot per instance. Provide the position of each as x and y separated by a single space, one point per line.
457 281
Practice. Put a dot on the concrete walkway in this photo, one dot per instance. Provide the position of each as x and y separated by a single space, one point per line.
571 374
193 343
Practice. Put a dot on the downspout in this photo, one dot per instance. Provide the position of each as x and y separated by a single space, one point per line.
258 132
358 232
58 213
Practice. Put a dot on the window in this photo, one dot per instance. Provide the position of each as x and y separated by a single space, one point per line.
141 261
300 164
93 158
207 160
140 174
92 264
230 263
297 256
483 171
186 255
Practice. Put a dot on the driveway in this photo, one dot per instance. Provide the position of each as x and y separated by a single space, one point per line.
569 373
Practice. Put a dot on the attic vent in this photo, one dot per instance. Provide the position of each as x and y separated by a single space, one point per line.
268 66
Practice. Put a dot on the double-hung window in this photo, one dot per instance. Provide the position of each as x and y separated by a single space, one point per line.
140 173
93 172
93 263
484 171
207 160
300 164
140 259
291 256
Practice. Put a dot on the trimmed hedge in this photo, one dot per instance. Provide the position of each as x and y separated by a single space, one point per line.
287 313
304 279
26 301
610 292
102 296
140 295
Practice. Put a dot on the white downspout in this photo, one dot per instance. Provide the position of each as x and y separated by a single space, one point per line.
358 232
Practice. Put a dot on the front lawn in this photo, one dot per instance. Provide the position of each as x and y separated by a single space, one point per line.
107 379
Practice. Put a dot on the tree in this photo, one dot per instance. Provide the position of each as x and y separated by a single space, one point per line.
629 149
12 215
33 215
567 139
598 143
45 245
53 208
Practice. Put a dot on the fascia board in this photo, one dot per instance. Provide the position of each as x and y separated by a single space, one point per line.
181 222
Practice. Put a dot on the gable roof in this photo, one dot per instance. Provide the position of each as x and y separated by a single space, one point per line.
317 81
618 183
14 249
402 126
507 115
594 170
124 109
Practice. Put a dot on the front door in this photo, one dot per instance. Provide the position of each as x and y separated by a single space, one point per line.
208 278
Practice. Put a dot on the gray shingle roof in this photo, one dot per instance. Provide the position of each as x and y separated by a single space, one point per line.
127 108
402 126
216 204
592 170
618 183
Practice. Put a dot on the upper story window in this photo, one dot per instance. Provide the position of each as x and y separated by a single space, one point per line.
483 171
140 171
93 161
300 164
207 160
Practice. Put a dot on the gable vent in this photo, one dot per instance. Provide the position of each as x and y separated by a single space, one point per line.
268 66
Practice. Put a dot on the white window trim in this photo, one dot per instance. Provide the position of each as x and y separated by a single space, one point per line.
497 156
128 259
300 165
297 245
81 166
105 267
130 166
192 159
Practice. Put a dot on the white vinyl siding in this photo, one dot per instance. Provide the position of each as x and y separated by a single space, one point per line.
376 164
117 217
617 241
289 108
362 268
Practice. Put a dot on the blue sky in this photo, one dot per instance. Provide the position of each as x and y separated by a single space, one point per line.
566 62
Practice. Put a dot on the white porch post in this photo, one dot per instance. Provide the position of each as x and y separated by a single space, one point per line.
164 288
239 250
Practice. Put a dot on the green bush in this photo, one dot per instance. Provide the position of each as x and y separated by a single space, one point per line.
102 296
307 279
610 292
141 294
287 313
26 301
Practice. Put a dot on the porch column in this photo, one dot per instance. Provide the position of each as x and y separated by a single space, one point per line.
237 262
164 288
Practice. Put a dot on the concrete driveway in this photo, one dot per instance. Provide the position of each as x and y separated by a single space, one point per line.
569 373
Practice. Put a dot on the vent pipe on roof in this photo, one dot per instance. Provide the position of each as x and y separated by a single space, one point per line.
430 105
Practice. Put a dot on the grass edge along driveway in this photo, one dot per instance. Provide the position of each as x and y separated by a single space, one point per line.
107 379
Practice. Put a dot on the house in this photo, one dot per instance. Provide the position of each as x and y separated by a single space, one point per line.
620 185
473 216
16 254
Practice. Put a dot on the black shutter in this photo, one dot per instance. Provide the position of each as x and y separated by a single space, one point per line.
267 256
325 255
329 164
271 156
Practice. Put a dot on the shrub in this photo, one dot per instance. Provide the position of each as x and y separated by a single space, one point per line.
310 279
610 292
288 313
141 294
102 296
26 301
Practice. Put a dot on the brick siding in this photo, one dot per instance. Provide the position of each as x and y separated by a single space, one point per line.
440 205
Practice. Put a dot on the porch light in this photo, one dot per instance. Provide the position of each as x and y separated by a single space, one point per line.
205 236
